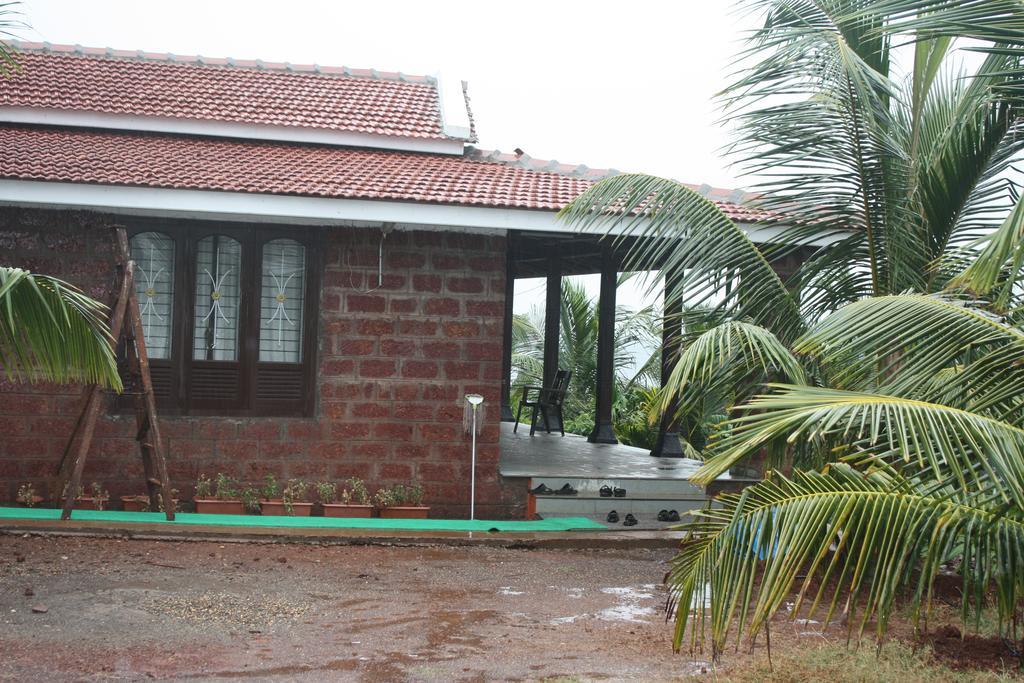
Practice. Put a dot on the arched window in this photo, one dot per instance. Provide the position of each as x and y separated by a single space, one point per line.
153 253
282 297
218 274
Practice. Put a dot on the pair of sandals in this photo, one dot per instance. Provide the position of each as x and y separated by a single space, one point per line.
668 516
613 518
545 490
609 492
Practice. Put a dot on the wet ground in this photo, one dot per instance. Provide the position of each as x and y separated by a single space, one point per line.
104 609
137 609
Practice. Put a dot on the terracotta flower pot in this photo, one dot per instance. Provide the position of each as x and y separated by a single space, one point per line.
36 500
89 503
212 506
140 503
347 510
404 512
276 507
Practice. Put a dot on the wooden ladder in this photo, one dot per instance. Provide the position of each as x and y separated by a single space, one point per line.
126 325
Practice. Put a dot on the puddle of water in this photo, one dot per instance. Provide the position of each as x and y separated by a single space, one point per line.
566 620
507 590
629 612
629 593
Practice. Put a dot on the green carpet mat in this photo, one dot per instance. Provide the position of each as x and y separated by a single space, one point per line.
273 521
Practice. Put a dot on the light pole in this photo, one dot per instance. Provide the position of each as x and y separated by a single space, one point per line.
474 401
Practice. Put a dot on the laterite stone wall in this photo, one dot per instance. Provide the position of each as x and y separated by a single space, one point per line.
396 357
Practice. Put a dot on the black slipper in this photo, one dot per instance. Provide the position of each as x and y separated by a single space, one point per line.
605 491
630 520
673 516
541 490
613 517
566 491
619 493
663 516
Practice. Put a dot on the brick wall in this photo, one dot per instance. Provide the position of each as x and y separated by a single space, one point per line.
395 361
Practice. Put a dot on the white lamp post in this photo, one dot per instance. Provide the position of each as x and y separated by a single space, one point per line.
474 401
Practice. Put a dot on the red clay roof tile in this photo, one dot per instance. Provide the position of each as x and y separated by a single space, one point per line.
60 77
186 162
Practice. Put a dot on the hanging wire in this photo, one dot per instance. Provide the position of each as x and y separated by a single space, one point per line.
467 418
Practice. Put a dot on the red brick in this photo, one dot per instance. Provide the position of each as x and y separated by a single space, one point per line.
394 471
449 413
465 285
419 369
449 307
442 392
442 472
345 470
396 347
370 451
370 410
216 429
426 283
461 370
363 303
336 367
490 309
447 262
377 368
404 305
350 430
439 432
405 259
235 449
329 301
461 329
487 263
376 327
328 450
415 411
393 430
390 281
282 449
305 430
356 347
417 328
264 430
407 392
13 426
428 238
483 350
442 350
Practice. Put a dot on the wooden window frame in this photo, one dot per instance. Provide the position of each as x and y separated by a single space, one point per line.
174 377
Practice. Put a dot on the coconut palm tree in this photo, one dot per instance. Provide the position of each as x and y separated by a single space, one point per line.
50 331
884 378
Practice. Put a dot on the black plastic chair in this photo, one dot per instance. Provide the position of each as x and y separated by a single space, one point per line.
550 398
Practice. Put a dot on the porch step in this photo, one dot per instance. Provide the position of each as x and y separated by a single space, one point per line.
644 498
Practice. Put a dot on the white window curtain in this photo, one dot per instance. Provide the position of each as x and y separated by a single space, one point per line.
153 253
218 273
281 301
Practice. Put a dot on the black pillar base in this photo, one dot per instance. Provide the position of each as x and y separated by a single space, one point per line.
668 446
507 415
603 433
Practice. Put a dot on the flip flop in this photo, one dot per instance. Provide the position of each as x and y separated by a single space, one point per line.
566 491
605 491
663 516
541 490
613 517
630 520
619 493
673 516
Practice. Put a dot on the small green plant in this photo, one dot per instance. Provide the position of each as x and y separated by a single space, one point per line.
27 495
204 487
384 498
271 488
100 496
414 495
399 495
226 487
327 491
160 500
294 492
78 494
251 500
355 490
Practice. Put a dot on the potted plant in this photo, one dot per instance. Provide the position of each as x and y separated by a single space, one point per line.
401 502
27 496
251 500
218 497
96 500
354 500
293 500
140 503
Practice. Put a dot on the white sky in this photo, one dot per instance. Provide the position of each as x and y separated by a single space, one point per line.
603 84
627 86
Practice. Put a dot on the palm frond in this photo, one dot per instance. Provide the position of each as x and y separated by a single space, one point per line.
978 452
863 537
669 227
50 331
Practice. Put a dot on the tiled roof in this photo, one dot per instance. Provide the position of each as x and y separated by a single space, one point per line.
253 92
185 162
